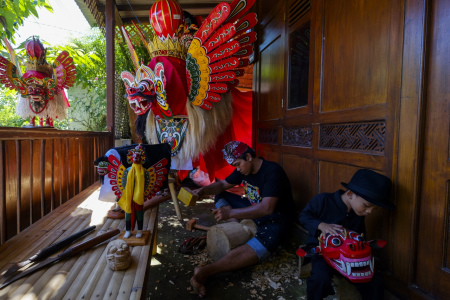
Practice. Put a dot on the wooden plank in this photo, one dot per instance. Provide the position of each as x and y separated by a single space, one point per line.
42 168
85 276
140 287
95 273
52 219
35 284
85 270
11 189
30 245
2 193
19 183
25 196
110 66
13 133
30 183
52 175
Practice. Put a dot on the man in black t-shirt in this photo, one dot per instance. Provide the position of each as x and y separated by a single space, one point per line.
268 202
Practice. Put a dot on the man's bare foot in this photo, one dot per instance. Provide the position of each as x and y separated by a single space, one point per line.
197 284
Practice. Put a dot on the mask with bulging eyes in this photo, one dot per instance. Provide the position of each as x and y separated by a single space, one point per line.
348 253
118 255
141 97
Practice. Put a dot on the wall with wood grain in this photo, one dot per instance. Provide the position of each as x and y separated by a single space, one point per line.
377 98
42 168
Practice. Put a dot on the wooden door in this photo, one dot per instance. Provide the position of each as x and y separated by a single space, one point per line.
433 247
323 128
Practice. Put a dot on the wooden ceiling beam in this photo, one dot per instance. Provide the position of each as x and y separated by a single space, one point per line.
184 6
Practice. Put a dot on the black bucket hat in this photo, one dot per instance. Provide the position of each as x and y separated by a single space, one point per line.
372 186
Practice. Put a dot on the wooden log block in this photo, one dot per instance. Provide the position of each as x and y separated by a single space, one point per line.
187 197
224 237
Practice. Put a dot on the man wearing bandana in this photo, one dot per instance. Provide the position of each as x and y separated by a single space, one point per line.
268 201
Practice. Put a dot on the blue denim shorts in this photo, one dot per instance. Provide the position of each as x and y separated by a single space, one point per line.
271 228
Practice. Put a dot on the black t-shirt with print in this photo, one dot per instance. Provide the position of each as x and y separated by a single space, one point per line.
269 181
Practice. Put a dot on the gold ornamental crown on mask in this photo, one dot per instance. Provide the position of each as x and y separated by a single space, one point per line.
36 57
176 46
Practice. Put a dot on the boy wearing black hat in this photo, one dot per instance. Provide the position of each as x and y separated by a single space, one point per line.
329 213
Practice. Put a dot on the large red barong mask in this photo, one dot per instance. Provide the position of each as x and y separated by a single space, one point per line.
201 64
349 254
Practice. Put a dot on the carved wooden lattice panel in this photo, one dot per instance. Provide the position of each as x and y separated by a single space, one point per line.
268 136
297 136
361 137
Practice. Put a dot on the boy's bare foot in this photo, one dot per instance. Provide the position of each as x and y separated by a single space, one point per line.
197 284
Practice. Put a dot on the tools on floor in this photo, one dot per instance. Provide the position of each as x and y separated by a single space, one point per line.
193 245
192 224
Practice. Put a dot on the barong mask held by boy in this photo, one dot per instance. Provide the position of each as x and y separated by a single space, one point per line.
347 253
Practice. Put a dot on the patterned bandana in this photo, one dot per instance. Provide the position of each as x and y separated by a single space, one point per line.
233 150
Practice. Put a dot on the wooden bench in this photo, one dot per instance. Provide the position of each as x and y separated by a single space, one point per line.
85 276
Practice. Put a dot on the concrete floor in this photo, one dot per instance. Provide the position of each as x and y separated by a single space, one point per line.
276 278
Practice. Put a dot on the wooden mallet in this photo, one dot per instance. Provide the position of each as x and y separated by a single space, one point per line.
192 224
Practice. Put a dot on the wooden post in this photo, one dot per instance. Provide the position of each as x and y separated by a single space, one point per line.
110 68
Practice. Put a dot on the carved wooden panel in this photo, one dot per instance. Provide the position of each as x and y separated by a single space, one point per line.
357 43
361 137
301 172
268 136
297 136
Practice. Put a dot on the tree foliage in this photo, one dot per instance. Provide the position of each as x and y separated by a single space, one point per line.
13 12
89 55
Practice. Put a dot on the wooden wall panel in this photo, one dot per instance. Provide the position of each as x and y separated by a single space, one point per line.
40 169
356 53
48 176
58 172
270 155
272 81
332 174
26 219
11 174
36 205
432 274
302 176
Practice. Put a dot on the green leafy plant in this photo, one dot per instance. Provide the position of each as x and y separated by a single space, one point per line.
13 12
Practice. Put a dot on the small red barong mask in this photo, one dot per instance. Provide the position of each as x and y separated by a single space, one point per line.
349 254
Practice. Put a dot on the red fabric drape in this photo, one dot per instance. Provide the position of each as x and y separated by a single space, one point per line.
240 129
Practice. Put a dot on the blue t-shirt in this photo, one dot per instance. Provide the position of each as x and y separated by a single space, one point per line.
269 181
